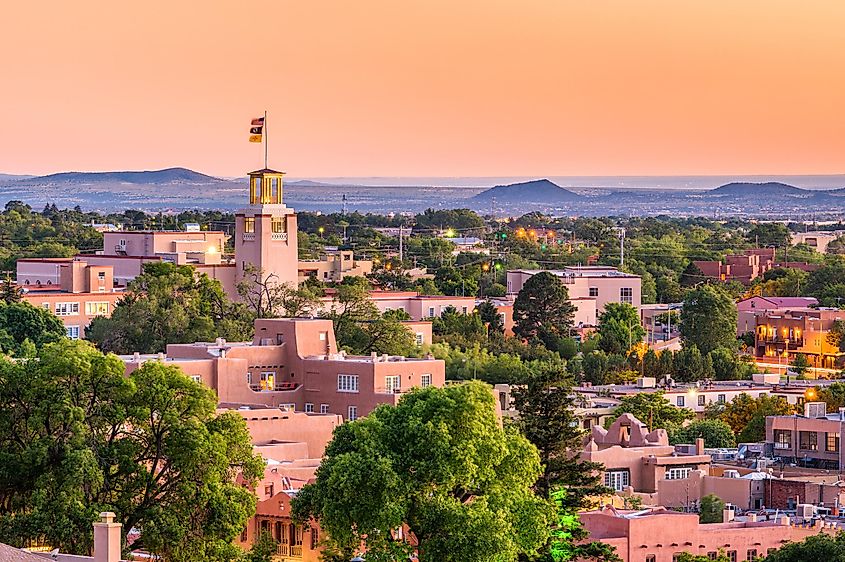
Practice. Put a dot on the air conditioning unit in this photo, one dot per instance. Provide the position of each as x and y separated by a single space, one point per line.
815 409
730 474
805 510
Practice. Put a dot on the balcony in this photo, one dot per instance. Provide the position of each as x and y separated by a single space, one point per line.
249 237
792 342
284 549
279 236
278 387
783 446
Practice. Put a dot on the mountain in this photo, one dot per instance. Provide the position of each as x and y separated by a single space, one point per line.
542 192
767 189
152 177
13 177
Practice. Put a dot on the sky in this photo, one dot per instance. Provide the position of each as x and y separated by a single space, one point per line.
425 87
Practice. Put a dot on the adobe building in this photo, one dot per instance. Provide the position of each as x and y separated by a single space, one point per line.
749 309
637 460
747 266
811 439
661 535
294 364
590 288
786 332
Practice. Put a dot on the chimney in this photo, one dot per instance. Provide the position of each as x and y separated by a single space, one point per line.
107 537
699 446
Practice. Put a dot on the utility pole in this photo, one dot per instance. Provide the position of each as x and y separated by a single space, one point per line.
401 248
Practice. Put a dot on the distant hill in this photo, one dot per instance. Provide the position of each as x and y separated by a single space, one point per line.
537 191
152 177
13 177
767 189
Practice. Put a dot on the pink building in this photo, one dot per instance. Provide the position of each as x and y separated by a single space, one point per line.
590 288
637 460
747 266
749 309
419 307
74 290
661 535
812 439
333 266
786 332
295 364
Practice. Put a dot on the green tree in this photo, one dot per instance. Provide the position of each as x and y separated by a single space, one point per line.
546 417
440 463
712 509
766 234
21 322
833 395
729 366
691 366
69 455
542 309
9 292
800 364
490 316
169 303
468 327
708 319
747 416
653 409
812 549
716 434
619 328
267 297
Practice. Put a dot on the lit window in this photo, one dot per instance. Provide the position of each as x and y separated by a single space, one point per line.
278 224
347 383
249 224
832 442
96 309
783 439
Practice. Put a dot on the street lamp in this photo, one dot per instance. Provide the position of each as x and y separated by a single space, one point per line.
321 230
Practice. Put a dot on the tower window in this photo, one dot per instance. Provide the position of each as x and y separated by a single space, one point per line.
278 224
249 224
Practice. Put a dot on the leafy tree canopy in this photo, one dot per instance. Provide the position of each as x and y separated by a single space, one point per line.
542 309
652 409
708 319
21 322
440 463
716 434
619 328
79 437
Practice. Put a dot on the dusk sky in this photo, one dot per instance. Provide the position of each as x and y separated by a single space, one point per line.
426 88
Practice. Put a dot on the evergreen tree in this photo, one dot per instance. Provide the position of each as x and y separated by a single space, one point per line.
542 309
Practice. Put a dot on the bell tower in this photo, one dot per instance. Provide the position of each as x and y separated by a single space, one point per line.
265 231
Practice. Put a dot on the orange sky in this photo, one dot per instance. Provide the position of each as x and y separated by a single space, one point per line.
426 87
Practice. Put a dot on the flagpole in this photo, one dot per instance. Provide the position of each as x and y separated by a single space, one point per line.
265 139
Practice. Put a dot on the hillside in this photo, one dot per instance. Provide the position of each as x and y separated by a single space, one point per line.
767 189
537 191
152 177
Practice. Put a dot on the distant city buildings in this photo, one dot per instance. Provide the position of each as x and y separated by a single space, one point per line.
747 266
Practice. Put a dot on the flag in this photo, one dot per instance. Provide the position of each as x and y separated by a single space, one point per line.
258 122
255 138
255 130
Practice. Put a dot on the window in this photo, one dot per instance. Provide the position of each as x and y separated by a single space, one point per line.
721 399
650 558
249 225
101 275
678 473
277 224
712 555
431 312
96 308
831 442
732 555
463 310
347 383
680 401
617 479
268 490
67 308
392 384
626 294
751 554
783 439
309 408
676 557
196 378
72 332
315 538
808 440
46 306
425 380
324 408
268 380
594 291
419 338
702 400
324 336
352 413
